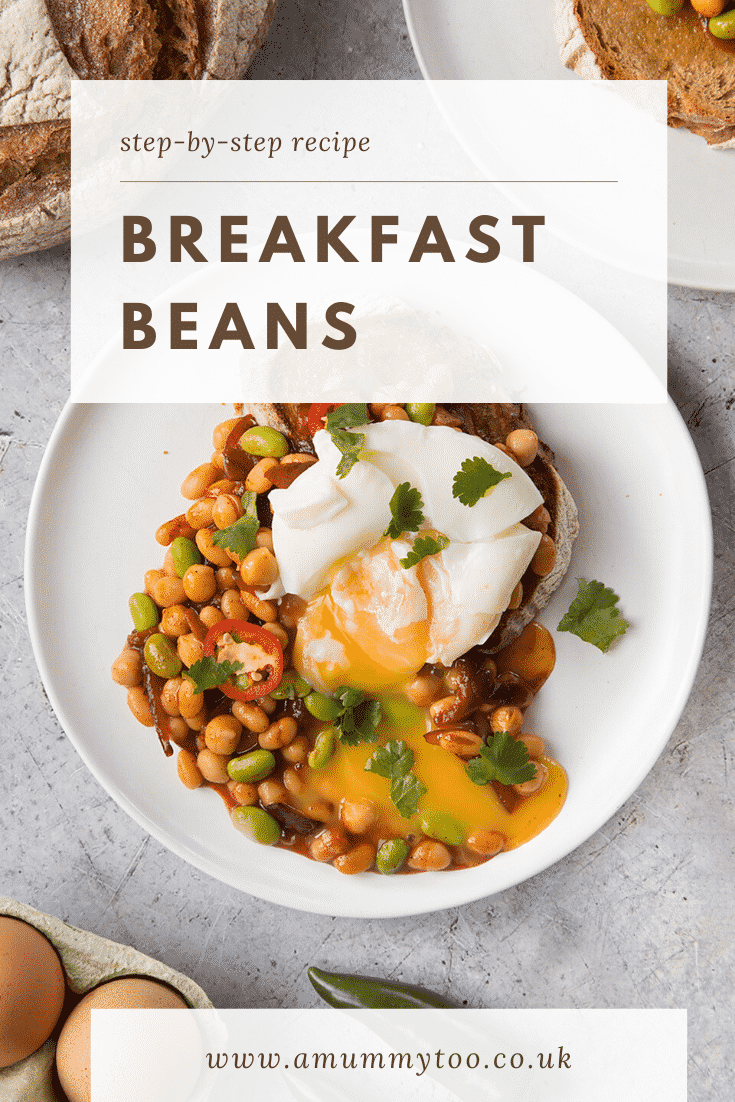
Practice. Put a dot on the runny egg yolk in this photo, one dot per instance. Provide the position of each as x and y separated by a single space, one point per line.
370 627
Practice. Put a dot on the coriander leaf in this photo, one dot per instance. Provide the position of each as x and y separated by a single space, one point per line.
592 615
504 759
240 536
208 673
249 502
422 548
359 719
349 443
392 760
475 479
405 793
405 509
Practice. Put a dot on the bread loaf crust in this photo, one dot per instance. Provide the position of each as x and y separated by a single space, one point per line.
627 40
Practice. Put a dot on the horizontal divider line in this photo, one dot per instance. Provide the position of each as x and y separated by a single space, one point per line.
369 181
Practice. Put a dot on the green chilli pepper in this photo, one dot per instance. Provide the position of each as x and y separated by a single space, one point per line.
361 993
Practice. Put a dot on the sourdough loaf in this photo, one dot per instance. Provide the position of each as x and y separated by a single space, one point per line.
44 45
492 423
627 40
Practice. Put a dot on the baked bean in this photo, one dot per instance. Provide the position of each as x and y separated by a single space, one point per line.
150 579
486 842
539 520
189 649
279 734
222 431
506 451
177 526
448 709
709 8
227 509
168 564
264 538
291 609
271 791
516 597
328 844
359 859
430 856
197 481
297 751
127 669
533 744
222 734
251 716
190 703
319 810
535 783
199 583
223 486
423 690
543 561
265 610
358 815
139 706
294 781
232 606
197 722
523 443
257 480
177 730
463 744
280 633
376 408
507 718
189 772
199 515
213 767
199 742
394 413
217 460
174 621
259 567
170 696
227 578
216 555
168 591
210 616
268 704
244 793
490 668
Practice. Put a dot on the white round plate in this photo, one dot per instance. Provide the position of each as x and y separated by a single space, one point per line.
477 40
110 476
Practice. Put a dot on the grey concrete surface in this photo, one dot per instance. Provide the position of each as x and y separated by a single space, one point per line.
640 915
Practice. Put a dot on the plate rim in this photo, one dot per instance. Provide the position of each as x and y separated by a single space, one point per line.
386 906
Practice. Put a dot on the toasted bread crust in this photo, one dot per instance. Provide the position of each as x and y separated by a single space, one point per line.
627 40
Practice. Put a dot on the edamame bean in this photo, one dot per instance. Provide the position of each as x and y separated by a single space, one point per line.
723 26
439 825
161 657
666 7
256 824
184 553
391 856
262 440
322 707
144 611
323 749
289 686
252 767
422 412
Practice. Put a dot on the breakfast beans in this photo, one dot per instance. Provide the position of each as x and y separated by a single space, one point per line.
272 758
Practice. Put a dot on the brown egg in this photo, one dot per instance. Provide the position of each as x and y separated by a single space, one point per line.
32 988
73 1047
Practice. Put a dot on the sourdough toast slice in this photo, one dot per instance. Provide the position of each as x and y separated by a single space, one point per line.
627 40
492 423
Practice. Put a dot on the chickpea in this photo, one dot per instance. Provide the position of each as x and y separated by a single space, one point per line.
539 520
197 481
222 734
709 8
168 591
232 606
430 856
127 669
507 718
197 723
533 744
271 791
189 649
358 815
150 579
267 703
199 515
174 621
190 703
423 690
279 734
245 794
178 731
226 578
251 716
168 564
210 616
486 842
264 538
213 767
188 770
394 413
227 509
523 443
139 706
259 568
328 844
535 783
199 583
359 859
280 633
170 696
